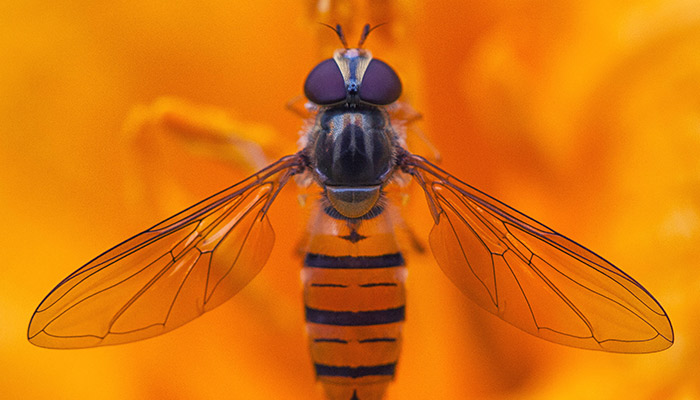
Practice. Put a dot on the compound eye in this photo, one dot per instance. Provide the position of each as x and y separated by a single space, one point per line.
325 84
380 84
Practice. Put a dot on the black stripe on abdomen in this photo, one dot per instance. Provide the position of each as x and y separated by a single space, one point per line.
314 260
355 372
377 340
359 318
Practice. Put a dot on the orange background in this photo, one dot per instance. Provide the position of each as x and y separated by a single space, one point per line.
583 114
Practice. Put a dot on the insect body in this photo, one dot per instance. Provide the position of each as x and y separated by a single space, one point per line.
353 270
353 273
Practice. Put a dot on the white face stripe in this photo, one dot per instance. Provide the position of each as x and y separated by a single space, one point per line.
353 64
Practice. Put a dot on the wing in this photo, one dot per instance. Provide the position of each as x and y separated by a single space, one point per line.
533 277
169 274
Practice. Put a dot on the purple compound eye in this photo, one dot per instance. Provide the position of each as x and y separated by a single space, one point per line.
380 84
325 84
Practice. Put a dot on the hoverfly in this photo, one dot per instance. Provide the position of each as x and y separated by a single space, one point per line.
353 150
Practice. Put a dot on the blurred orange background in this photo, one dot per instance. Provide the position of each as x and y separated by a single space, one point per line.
585 115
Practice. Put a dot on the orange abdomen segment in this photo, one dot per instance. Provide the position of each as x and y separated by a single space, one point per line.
355 308
354 301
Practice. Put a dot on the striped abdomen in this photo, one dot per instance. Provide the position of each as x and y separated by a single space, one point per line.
354 299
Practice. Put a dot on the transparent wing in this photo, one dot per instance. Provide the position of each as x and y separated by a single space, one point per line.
533 277
169 274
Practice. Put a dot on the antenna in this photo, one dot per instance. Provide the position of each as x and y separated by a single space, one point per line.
365 32
338 31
